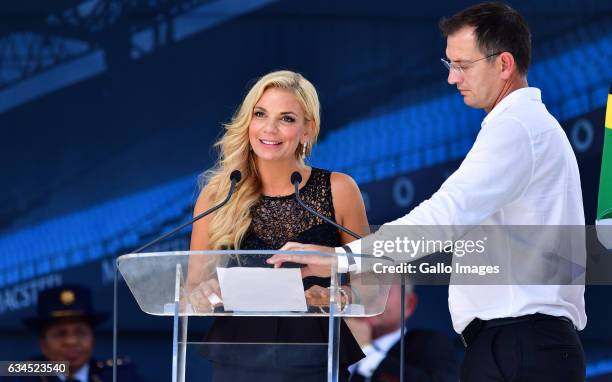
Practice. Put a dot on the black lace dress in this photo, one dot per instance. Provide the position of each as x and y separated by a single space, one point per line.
277 220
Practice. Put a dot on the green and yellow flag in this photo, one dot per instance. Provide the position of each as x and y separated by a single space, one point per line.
604 202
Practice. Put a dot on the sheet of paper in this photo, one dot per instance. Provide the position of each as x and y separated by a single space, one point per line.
246 289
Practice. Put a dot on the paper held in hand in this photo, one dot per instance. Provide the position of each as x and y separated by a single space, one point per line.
262 289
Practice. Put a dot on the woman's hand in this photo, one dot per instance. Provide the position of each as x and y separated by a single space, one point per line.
205 296
317 295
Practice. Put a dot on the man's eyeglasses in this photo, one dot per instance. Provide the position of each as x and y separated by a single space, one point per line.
459 68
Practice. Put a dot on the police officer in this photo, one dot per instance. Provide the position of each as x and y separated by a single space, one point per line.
65 324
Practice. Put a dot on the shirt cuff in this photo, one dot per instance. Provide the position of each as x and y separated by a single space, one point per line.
343 262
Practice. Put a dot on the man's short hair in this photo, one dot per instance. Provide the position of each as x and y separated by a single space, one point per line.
498 28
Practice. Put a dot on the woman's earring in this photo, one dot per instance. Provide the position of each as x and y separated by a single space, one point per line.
304 145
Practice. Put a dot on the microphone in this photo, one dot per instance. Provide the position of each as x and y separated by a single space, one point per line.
296 179
235 177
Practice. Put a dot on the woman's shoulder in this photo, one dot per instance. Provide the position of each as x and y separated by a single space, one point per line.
342 184
348 203
338 178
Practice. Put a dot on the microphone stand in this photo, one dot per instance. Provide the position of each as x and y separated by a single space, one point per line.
235 177
296 178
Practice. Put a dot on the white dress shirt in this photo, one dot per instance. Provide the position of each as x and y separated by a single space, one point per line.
521 170
374 354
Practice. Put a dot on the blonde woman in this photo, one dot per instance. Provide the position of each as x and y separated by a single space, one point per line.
267 139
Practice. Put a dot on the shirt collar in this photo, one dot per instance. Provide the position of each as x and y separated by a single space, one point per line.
384 343
528 93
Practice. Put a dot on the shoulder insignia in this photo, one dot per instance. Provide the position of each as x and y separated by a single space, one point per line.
109 362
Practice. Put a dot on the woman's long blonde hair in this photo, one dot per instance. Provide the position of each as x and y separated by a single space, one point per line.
229 225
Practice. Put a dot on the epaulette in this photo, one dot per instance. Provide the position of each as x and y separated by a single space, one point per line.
109 363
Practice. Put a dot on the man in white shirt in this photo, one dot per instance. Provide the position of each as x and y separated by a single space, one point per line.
520 171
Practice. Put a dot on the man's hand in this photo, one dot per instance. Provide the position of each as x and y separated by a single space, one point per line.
315 265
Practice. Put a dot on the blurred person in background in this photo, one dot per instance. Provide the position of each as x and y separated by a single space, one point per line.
429 356
65 324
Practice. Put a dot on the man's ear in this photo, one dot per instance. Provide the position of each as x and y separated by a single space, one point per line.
411 303
508 65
